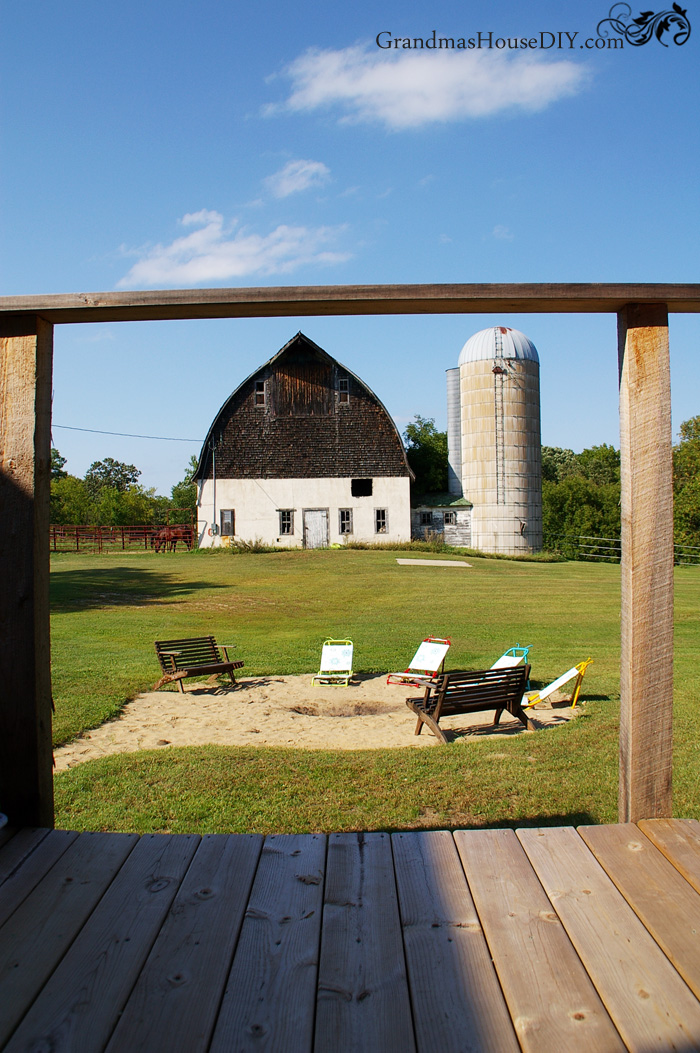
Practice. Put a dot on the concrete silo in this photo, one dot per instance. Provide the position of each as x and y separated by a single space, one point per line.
493 430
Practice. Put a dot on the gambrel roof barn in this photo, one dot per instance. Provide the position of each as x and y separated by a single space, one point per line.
331 457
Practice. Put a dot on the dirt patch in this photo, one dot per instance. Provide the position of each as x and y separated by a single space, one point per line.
281 711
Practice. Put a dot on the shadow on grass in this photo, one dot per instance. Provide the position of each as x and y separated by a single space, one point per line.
120 586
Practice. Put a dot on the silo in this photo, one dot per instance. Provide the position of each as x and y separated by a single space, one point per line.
454 433
501 459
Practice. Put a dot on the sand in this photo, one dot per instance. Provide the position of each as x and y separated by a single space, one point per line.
286 711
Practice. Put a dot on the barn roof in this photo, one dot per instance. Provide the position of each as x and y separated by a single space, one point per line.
381 433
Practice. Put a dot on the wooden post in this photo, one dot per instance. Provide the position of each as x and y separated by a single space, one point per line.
26 775
646 674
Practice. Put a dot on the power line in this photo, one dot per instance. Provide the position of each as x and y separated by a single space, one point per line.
125 434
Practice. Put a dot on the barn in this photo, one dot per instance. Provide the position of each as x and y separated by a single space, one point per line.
303 453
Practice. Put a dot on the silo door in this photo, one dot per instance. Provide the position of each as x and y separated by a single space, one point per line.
315 527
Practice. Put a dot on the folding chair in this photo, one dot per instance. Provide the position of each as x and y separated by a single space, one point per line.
336 663
512 657
426 664
578 671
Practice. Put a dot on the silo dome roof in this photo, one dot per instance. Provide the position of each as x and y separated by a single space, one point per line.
498 341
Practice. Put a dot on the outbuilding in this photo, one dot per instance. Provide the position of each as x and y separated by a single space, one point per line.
303 453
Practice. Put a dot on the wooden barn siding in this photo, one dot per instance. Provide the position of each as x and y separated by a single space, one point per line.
303 431
301 387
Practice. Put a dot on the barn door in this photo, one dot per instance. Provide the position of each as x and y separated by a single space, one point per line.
315 527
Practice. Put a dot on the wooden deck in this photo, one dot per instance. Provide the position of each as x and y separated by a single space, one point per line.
544 939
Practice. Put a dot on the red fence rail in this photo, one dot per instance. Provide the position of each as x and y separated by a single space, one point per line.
75 538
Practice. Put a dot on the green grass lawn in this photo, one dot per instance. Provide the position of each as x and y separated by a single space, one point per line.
277 608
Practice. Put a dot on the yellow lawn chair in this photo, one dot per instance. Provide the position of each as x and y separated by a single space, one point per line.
577 671
336 663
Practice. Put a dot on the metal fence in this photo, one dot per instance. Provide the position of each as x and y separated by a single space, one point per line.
71 538
609 550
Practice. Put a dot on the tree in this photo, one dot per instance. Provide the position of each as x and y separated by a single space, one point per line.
580 493
57 463
426 450
686 484
600 464
184 493
557 464
71 502
111 474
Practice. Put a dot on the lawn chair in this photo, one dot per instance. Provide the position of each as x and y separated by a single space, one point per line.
472 691
577 671
336 663
427 662
512 657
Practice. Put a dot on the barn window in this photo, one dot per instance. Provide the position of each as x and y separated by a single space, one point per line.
228 521
345 521
381 521
343 389
259 392
426 518
286 520
450 518
361 487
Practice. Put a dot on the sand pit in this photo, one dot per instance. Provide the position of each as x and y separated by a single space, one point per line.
283 711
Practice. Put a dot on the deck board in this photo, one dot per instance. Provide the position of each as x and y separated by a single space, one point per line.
457 999
659 895
269 1002
553 1004
489 940
177 996
649 1003
363 1000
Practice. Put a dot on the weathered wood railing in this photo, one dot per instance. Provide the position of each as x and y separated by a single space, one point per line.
26 347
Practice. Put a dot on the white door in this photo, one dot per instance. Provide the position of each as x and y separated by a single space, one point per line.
315 527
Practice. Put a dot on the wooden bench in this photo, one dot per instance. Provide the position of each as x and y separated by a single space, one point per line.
472 691
196 656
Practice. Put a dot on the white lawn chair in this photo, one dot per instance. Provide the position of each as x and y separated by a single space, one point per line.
512 657
336 663
426 663
577 671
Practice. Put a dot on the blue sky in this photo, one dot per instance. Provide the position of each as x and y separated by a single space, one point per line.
181 144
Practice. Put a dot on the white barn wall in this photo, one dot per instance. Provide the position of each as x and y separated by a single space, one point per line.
257 502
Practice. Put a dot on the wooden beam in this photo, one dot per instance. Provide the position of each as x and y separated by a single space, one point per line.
286 301
646 674
26 776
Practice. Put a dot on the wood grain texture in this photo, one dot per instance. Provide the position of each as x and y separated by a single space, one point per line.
363 1003
679 840
271 992
35 938
297 301
661 898
646 665
457 1000
26 775
78 1008
175 1002
23 844
30 867
552 1002
649 1003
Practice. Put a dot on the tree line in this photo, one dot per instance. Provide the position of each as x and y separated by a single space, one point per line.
580 491
110 494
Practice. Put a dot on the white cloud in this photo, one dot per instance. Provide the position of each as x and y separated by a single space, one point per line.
502 233
414 88
296 176
215 253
